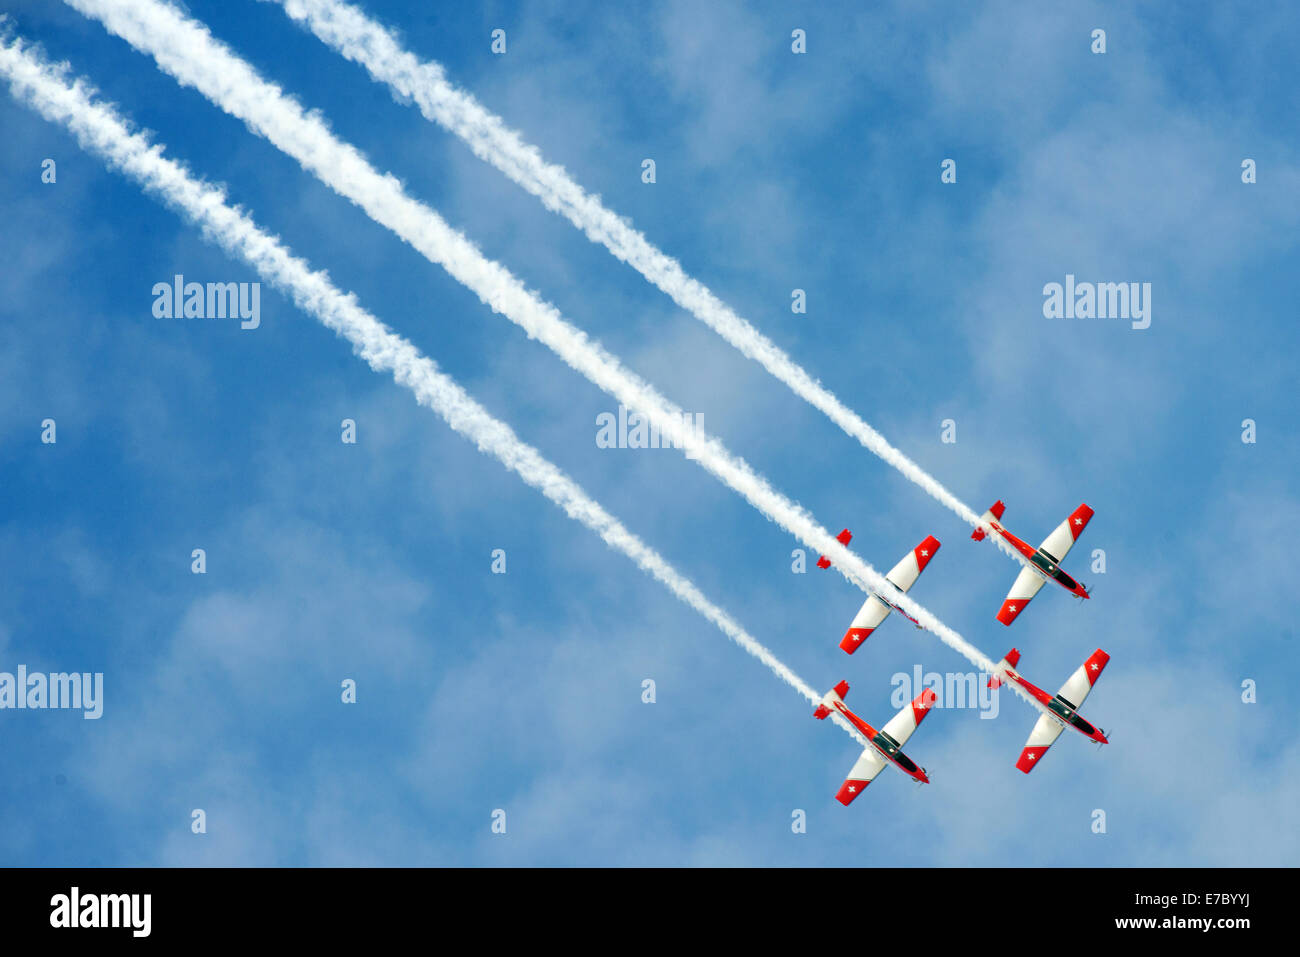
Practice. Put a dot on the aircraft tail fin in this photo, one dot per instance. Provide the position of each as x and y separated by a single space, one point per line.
1009 660
994 514
843 538
835 694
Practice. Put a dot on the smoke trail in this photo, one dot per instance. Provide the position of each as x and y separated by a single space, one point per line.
185 49
99 129
352 34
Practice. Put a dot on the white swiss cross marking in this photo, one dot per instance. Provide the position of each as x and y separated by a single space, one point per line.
1012 608
1031 755
852 789
1094 666
924 553
1078 521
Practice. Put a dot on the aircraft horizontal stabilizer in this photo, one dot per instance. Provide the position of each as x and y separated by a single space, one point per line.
994 514
843 538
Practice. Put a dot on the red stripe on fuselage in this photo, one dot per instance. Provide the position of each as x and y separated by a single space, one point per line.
1020 546
1038 693
854 720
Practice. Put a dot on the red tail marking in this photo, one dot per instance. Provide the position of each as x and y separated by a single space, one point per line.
1012 658
996 510
843 538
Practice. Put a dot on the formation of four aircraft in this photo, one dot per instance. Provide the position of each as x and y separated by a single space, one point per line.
1059 711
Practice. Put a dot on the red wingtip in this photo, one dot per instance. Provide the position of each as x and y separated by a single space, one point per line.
823 562
1094 665
1013 657
922 704
842 689
845 537
925 551
1079 520
1010 610
854 637
1029 757
821 712
849 790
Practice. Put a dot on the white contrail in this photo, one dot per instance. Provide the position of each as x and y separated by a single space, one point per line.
99 129
351 33
185 49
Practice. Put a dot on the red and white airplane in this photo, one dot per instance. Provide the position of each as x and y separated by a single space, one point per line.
877 607
886 744
1041 564
1064 707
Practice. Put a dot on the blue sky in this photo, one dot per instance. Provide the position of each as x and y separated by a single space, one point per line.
523 691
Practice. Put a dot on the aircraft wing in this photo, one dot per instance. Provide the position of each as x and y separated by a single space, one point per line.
904 575
901 725
1023 589
874 611
1043 736
1085 676
863 772
1063 537
867 620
